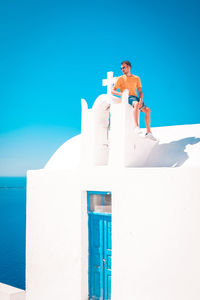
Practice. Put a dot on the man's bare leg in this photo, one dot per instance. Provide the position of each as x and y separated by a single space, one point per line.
136 114
147 112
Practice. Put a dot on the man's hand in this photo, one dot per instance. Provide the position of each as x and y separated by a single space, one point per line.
140 97
140 103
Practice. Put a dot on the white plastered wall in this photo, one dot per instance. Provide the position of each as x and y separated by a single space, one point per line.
156 247
155 238
53 236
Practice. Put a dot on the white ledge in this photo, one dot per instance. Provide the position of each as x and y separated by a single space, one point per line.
8 292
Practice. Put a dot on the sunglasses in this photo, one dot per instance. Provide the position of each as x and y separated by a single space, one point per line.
122 68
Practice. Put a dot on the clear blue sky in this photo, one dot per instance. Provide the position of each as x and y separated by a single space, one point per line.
53 53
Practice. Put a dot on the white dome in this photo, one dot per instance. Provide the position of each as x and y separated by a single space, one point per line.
179 147
67 156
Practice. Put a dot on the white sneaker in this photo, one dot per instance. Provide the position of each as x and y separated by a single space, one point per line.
138 130
150 136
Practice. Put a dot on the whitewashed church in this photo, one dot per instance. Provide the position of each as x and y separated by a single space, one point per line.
114 215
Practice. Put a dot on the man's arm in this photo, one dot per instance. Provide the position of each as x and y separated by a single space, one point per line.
115 92
116 87
140 97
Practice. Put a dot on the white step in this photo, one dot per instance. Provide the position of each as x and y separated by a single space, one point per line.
8 292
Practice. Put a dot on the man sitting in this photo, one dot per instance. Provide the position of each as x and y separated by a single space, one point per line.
132 83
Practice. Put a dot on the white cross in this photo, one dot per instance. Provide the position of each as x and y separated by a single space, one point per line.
109 82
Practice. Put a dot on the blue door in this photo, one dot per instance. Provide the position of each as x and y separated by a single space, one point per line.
100 254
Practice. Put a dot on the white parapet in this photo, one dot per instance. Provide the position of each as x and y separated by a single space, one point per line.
94 129
120 146
127 148
8 292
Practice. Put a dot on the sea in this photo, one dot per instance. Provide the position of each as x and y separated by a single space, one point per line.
12 231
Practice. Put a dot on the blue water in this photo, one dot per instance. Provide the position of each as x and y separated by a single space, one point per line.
12 230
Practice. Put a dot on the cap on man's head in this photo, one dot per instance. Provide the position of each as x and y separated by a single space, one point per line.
126 62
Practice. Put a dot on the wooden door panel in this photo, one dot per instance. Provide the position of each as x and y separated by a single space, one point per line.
100 256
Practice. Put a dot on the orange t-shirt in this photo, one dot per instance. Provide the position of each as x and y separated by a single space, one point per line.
130 83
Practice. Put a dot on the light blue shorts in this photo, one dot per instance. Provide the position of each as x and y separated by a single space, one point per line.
131 99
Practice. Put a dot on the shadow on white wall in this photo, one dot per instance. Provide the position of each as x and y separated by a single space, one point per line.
171 154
